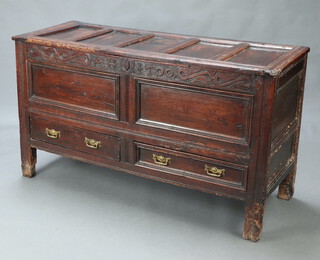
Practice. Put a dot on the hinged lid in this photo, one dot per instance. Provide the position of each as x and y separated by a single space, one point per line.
246 56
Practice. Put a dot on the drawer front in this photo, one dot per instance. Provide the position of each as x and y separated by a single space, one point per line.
212 114
98 144
53 132
76 88
191 166
75 138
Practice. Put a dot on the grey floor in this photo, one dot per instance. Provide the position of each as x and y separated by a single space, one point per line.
73 210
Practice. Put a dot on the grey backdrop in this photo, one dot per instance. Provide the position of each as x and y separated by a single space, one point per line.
73 210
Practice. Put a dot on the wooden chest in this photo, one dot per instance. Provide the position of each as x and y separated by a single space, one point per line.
219 116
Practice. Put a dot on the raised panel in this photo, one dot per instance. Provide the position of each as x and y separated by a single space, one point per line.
71 33
73 88
280 156
189 110
285 105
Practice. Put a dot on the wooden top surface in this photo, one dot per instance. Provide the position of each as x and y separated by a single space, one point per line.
247 56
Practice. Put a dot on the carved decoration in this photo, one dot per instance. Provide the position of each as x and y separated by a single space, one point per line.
215 78
141 68
59 55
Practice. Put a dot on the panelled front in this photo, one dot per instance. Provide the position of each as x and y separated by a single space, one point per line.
202 115
208 113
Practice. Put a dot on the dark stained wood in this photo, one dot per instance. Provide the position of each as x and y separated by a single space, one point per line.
28 153
136 39
214 115
161 44
257 56
92 34
285 105
286 188
73 33
204 50
281 155
118 38
74 137
198 111
109 146
181 45
66 137
75 88
233 51
192 166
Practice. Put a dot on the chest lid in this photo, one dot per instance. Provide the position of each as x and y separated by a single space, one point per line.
247 56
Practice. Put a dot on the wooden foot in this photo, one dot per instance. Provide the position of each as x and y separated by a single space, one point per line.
253 222
29 159
286 188
28 170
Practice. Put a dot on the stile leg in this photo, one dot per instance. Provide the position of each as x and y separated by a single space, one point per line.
286 187
253 221
29 159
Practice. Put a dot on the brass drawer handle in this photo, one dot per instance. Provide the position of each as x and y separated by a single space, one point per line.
52 133
91 143
214 171
161 160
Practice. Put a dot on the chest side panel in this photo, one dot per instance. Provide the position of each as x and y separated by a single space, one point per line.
286 122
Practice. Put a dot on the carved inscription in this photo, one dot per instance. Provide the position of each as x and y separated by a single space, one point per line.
141 68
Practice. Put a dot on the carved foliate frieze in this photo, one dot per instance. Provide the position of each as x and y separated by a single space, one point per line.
141 68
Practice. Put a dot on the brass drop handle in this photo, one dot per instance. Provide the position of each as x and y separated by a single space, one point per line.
52 133
214 171
161 160
91 143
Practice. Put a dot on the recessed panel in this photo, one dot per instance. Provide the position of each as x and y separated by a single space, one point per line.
209 114
74 88
281 156
285 106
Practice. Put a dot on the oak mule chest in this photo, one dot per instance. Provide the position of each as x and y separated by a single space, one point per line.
219 116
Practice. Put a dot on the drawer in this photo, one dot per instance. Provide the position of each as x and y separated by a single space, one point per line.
53 132
75 138
191 166
76 89
98 144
